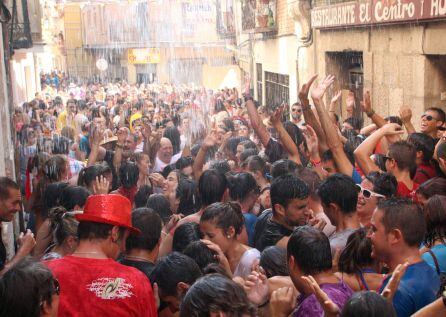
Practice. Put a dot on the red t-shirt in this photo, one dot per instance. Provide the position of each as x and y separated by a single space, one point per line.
403 191
101 287
424 173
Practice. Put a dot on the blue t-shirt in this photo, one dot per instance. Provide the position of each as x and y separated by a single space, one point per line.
356 176
250 222
418 288
440 253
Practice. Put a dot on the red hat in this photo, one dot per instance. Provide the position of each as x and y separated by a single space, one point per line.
111 209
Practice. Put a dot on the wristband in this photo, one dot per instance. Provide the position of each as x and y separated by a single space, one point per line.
316 163
370 113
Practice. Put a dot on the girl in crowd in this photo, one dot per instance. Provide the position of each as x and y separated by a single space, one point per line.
244 190
89 176
373 187
434 186
356 266
142 160
128 176
222 223
435 240
257 167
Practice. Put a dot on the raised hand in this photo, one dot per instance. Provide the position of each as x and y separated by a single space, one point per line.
157 179
392 129
96 135
122 135
26 242
256 288
392 286
318 92
101 185
405 114
305 89
210 140
366 104
336 97
277 115
330 308
173 221
221 257
312 140
283 301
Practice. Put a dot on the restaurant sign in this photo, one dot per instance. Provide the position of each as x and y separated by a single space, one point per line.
377 12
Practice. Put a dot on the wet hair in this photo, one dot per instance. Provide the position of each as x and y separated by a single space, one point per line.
394 119
233 142
185 234
201 254
222 166
367 304
312 179
51 197
355 122
150 224
294 132
160 204
433 186
173 269
435 215
241 185
72 196
340 190
357 253
424 143
169 169
229 124
248 144
54 167
404 154
282 167
273 261
247 153
62 224
186 193
173 135
440 112
142 196
286 188
255 163
310 248
138 157
88 174
224 216
5 185
383 183
404 215
60 145
128 174
215 293
25 287
211 187
184 162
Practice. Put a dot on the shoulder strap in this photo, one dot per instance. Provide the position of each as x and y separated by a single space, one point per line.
437 266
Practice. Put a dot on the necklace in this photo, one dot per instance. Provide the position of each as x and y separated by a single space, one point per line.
137 258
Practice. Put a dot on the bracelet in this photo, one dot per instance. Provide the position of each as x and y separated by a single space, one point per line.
264 304
316 163
370 113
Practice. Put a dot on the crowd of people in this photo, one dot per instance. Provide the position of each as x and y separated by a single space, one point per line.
160 200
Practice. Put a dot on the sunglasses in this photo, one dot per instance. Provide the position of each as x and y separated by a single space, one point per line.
296 110
428 117
368 193
386 158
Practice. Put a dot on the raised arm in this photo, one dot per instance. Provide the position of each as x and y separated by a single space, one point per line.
287 142
208 142
256 122
366 106
334 142
366 148
406 116
309 116
97 152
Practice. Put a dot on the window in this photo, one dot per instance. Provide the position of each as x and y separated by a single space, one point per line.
277 90
259 74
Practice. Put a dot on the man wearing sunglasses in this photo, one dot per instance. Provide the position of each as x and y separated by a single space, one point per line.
432 121
296 114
